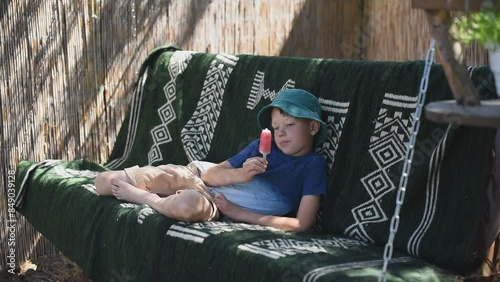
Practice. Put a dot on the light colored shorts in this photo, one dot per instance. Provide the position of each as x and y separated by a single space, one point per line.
256 196
166 180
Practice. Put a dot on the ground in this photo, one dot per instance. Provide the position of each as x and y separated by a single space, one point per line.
47 268
58 268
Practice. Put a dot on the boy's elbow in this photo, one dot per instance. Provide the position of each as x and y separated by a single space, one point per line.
305 224
302 228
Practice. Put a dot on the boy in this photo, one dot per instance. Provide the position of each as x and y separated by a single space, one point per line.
246 187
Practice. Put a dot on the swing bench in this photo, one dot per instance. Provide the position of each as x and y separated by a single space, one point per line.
199 106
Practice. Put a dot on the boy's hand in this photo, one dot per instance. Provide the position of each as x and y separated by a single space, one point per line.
227 207
252 167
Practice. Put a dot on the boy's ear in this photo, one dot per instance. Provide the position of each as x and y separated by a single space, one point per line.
314 127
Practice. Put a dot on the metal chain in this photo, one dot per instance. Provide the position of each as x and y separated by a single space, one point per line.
410 149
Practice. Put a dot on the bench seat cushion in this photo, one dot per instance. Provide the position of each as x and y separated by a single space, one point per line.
110 239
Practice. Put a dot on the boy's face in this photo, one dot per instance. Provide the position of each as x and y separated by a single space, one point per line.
293 136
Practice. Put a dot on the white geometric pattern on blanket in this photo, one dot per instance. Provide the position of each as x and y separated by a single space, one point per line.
432 191
258 91
160 134
336 112
145 211
91 188
133 122
129 205
387 147
277 248
273 248
198 133
199 231
64 172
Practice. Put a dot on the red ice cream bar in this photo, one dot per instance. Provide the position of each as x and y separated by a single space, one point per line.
265 142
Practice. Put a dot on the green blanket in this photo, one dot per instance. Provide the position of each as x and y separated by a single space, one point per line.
112 240
193 106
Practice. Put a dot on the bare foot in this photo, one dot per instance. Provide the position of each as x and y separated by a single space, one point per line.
227 207
127 192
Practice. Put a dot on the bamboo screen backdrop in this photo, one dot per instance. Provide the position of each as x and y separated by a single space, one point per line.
67 68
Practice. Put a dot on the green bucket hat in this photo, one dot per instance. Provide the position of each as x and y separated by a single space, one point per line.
297 103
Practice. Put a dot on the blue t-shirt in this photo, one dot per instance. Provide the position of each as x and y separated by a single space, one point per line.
292 177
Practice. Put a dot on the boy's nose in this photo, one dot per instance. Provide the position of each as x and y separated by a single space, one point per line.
280 132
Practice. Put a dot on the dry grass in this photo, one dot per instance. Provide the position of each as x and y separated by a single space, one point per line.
55 268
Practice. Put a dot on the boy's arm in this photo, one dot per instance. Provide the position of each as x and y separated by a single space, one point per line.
224 174
306 215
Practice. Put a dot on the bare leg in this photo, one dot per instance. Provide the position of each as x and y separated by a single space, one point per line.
103 181
190 205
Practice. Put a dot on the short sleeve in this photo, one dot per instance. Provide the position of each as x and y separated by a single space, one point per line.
251 150
315 182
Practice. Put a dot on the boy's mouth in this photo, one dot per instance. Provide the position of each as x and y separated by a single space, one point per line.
283 143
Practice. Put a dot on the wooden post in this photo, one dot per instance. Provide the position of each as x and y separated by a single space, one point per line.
458 77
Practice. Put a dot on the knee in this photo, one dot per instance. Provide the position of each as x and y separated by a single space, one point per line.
192 206
103 183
